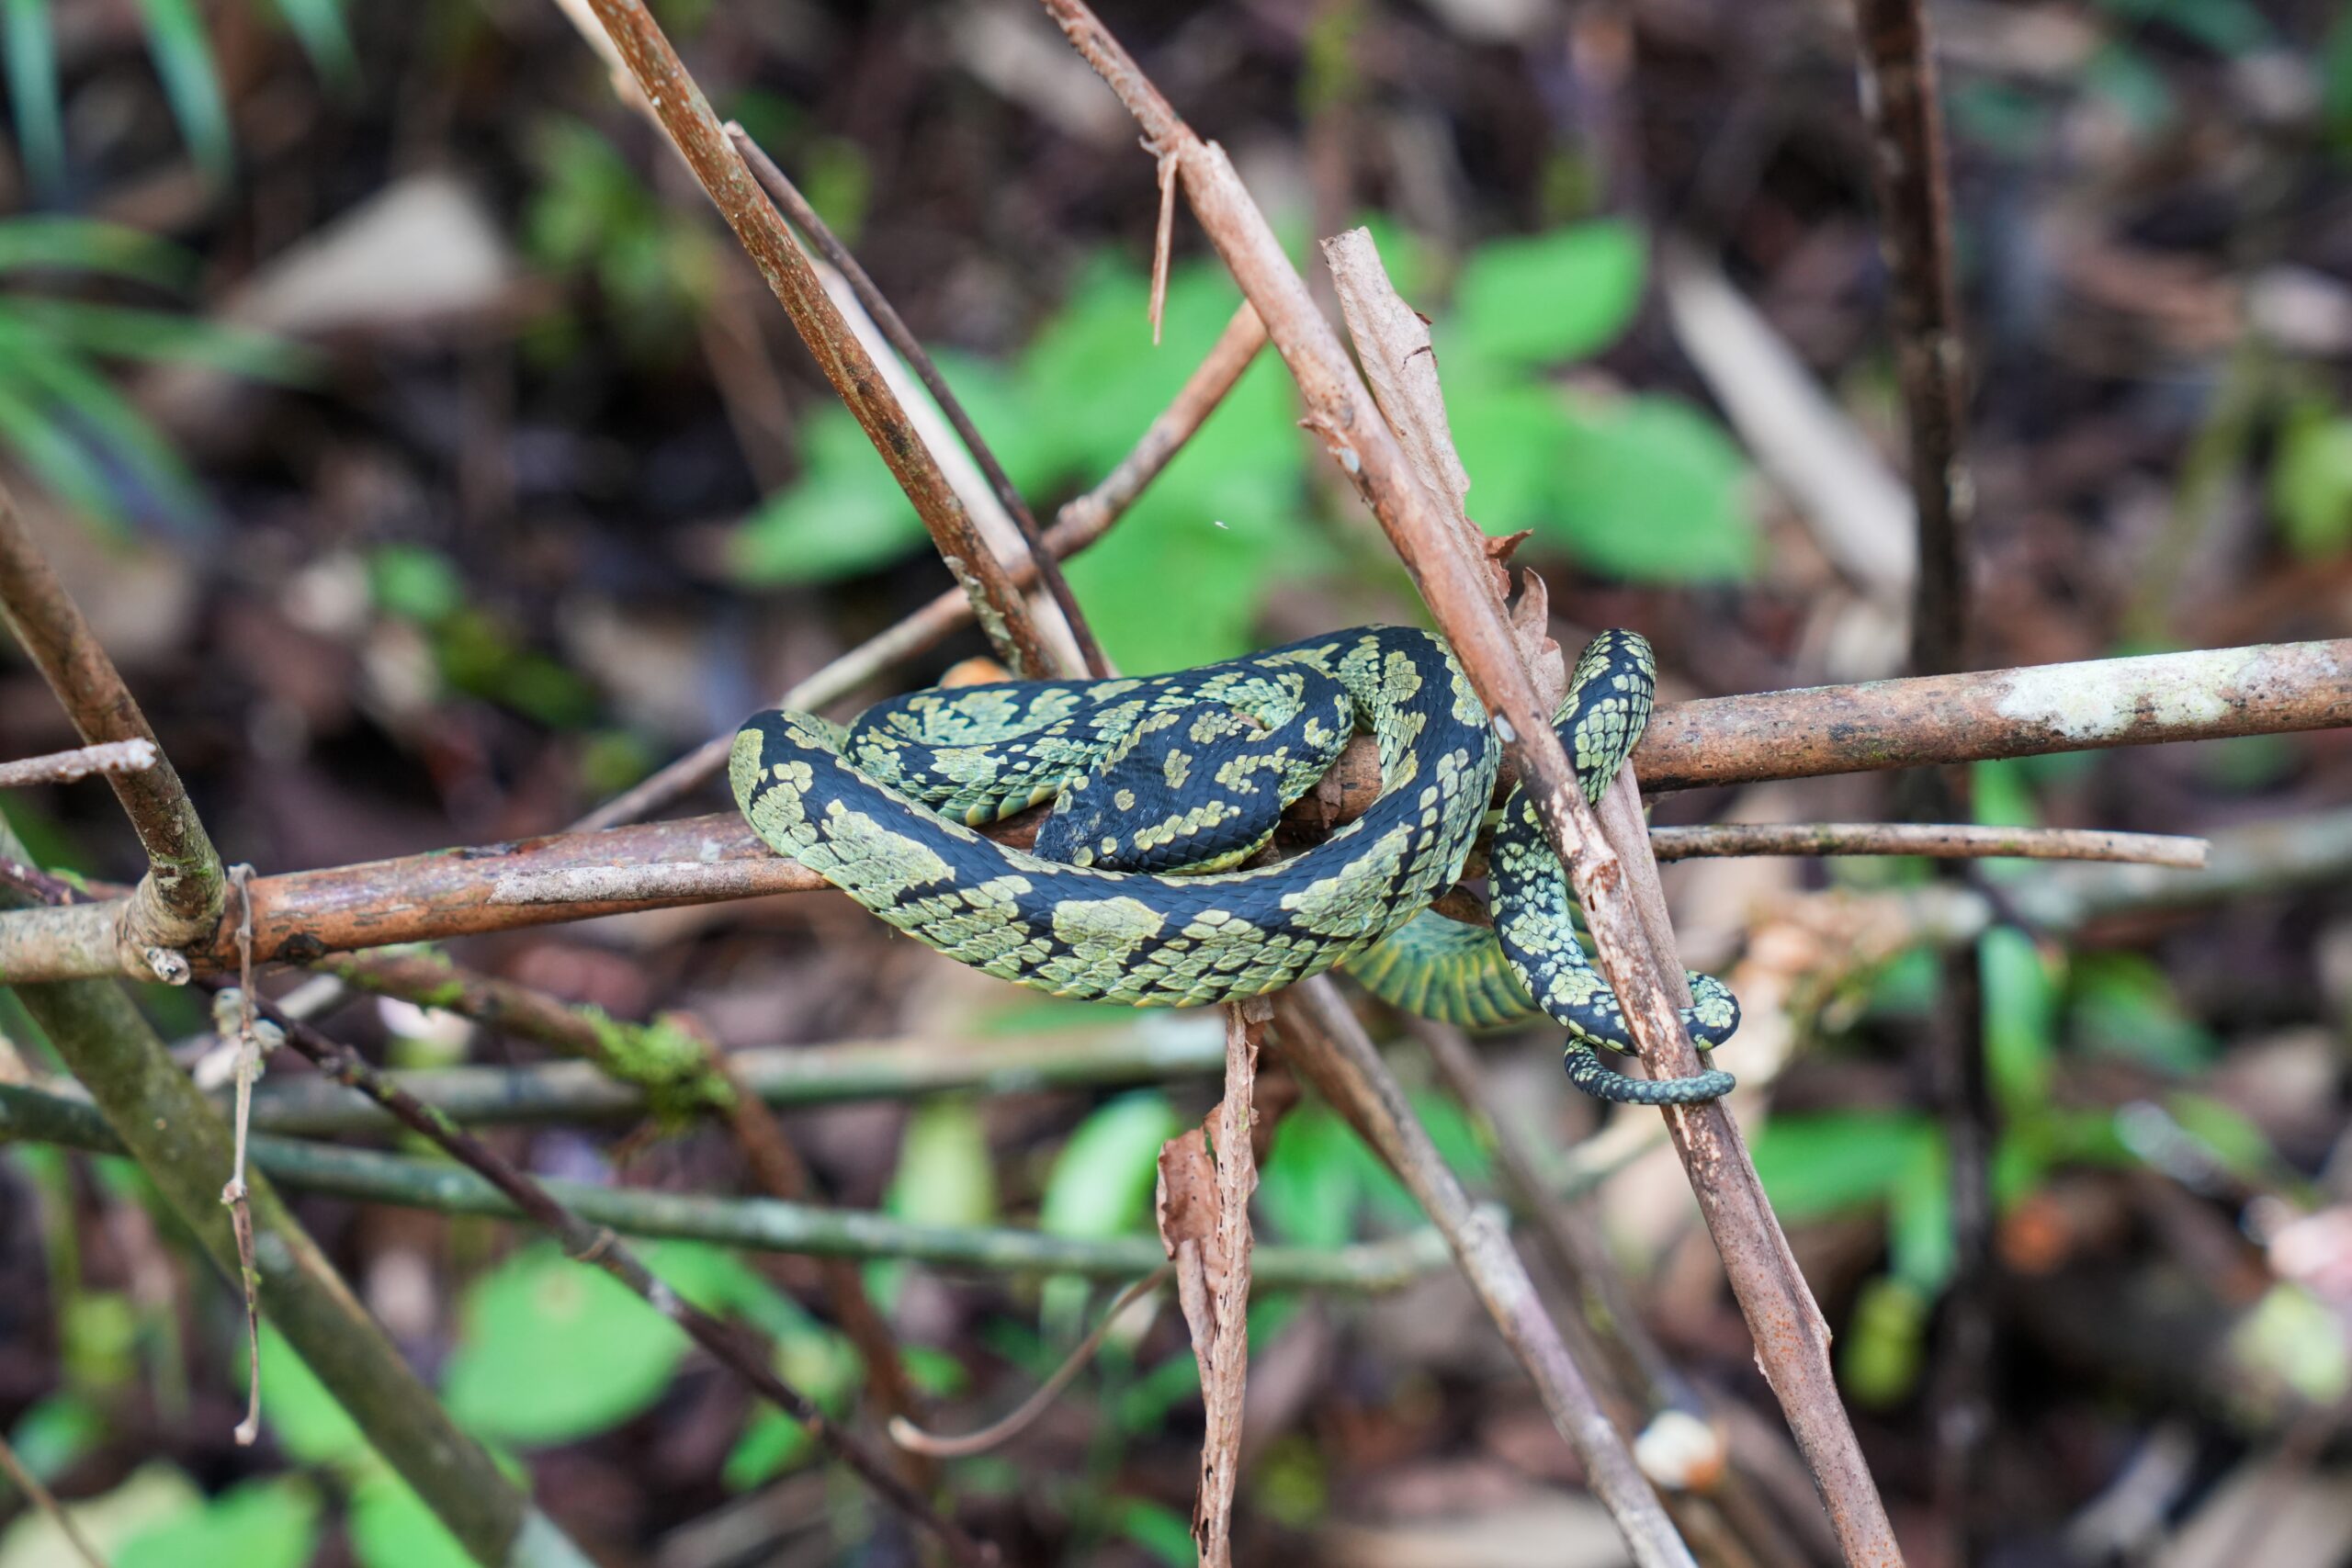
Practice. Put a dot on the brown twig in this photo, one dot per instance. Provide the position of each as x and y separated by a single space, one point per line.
1076 526
739 1350
686 114
1792 1343
1936 840
45 1504
786 195
1325 1045
64 767
182 894
1912 178
1003 1430
300 917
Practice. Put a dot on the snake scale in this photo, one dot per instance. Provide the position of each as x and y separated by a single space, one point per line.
1163 784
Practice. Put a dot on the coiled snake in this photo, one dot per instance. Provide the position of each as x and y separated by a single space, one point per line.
1189 772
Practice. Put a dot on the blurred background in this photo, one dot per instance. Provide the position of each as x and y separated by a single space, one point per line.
434 466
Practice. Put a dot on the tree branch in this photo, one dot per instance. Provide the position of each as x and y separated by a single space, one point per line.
684 112
185 885
1078 525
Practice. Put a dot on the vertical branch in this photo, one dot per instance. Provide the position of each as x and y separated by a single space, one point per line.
1324 1044
786 196
181 898
1912 177
1792 1341
686 114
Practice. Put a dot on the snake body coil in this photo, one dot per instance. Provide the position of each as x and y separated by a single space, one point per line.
1189 772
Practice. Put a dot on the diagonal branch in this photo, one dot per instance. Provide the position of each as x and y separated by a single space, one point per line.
786 195
1079 524
1792 1344
686 114
183 893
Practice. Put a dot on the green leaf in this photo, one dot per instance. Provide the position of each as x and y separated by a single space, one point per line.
1555 297
156 1496
554 1350
56 1432
1156 1529
258 1524
183 56
1511 434
29 47
1885 1346
945 1175
2122 1004
2226 26
1829 1163
1103 1179
307 1420
319 26
391 1528
83 244
2294 1339
108 421
2021 1016
417 583
56 459
1650 489
846 515
1313 1178
2311 481
128 333
1919 1239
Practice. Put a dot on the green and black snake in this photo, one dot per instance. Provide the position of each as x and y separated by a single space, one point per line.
1188 773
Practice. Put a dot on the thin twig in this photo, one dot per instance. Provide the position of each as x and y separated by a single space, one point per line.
686 114
1076 526
1792 1345
738 1349
64 767
45 1503
182 894
786 195
1912 177
761 1224
792 1077
1003 1430
1325 1045
1933 839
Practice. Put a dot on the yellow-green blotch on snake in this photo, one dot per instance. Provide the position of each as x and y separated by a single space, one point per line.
1162 782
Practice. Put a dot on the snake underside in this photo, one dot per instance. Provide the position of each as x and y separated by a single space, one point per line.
1161 782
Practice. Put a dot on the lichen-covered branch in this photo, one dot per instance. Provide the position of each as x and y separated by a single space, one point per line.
761 1224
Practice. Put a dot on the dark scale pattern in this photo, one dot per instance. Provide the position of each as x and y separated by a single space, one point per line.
1181 770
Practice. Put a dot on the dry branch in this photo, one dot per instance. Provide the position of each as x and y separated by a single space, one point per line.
1078 525
301 916
678 102
886 317
64 767
1934 840
183 890
1792 1345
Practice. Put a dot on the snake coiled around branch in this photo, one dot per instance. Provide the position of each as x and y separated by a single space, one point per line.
1163 782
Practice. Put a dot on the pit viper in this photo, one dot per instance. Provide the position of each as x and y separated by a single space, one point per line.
1164 785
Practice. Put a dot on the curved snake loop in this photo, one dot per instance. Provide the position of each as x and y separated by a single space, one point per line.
1163 782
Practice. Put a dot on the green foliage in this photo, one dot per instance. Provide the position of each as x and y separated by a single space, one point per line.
1319 1175
183 54
2311 479
553 1351
474 650
391 1527
29 53
1159 1530
1646 488
1880 1351
257 1524
59 416
945 1175
1551 297
2225 27
1101 1185
2122 1004
592 216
